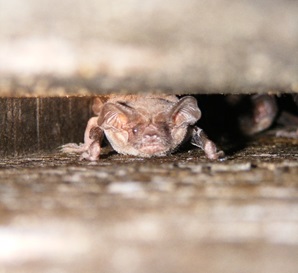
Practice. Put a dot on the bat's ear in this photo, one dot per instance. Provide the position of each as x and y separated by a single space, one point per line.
185 112
114 115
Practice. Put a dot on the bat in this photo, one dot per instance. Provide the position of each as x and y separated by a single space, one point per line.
145 125
262 112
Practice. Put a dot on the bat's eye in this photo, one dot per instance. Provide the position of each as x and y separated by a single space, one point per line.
135 130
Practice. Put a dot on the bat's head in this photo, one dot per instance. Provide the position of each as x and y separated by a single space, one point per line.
148 128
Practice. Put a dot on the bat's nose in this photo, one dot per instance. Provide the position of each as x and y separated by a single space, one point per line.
151 136
151 133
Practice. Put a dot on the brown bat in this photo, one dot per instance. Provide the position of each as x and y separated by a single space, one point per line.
263 112
145 126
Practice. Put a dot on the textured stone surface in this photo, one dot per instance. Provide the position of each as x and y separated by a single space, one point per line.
182 213
80 47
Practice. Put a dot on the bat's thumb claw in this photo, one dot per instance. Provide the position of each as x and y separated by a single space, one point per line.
212 151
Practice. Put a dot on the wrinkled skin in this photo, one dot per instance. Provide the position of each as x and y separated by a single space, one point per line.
263 112
144 126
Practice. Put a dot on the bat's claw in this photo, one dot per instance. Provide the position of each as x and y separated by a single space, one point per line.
89 152
71 148
211 151
200 139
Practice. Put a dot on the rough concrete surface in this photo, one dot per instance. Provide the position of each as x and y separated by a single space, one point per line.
53 47
180 213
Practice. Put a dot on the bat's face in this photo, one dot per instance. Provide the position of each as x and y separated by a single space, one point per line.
153 128
148 137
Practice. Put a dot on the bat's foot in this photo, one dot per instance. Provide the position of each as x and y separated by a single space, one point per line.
73 148
93 152
88 152
212 152
287 134
200 139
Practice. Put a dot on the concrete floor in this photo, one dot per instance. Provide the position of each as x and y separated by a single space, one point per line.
182 213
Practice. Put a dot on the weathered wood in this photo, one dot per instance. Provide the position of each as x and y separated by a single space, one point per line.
31 125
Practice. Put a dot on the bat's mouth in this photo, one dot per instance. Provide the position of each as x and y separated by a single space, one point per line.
153 149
